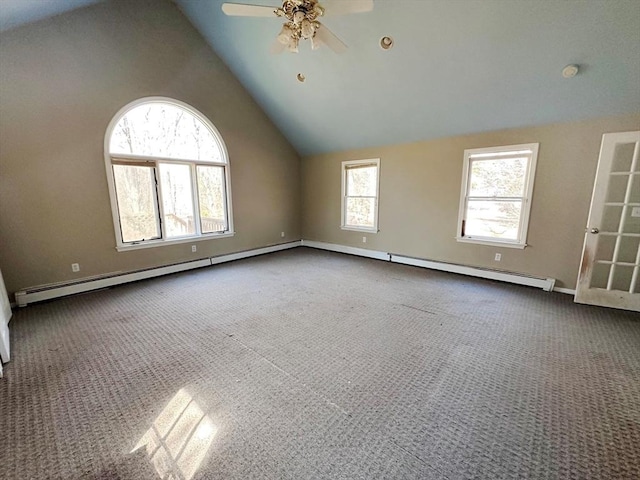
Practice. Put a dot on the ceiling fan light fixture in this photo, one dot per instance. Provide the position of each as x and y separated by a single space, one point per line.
302 20
307 29
284 37
293 44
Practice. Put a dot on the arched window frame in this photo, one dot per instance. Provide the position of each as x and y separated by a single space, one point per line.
111 159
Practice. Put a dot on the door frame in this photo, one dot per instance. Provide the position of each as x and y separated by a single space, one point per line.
584 293
5 316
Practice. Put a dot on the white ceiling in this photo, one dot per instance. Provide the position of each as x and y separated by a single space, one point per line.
458 66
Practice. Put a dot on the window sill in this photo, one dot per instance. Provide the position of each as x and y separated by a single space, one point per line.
360 229
161 243
492 243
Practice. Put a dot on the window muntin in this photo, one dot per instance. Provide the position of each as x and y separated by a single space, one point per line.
168 175
497 185
360 185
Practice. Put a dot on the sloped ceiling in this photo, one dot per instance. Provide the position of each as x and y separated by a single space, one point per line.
458 66
18 12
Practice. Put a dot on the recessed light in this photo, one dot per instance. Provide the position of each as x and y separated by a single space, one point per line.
570 71
386 43
301 78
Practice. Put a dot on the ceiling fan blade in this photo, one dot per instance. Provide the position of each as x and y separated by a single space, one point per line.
277 47
326 36
241 10
343 7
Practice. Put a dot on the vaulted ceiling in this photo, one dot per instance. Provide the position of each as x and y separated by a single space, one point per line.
14 13
457 66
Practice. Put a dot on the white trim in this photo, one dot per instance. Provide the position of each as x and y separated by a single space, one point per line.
333 247
160 243
568 291
361 229
493 243
585 293
152 160
546 284
5 318
123 246
528 149
252 253
345 165
47 292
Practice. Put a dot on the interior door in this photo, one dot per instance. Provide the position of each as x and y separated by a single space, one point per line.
610 268
5 316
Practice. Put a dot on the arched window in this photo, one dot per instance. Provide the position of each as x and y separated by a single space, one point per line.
168 175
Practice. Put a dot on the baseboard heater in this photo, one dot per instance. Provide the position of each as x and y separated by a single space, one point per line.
546 284
48 292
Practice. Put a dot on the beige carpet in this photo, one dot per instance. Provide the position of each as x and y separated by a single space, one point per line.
306 364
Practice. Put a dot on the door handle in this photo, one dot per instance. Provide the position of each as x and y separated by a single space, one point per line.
595 230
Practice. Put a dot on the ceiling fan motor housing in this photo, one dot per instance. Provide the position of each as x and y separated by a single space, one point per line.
310 10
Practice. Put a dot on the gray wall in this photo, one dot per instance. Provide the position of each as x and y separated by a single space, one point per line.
420 187
61 82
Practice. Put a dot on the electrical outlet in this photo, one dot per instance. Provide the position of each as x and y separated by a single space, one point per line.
75 267
498 257
194 249
282 234
364 239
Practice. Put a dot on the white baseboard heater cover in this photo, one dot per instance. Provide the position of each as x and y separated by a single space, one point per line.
334 247
546 284
47 292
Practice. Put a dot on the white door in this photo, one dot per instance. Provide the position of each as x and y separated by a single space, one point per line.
5 316
610 268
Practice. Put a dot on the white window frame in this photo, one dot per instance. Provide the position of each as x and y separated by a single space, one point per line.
359 163
530 150
154 162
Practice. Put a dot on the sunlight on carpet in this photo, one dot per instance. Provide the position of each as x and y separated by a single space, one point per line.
179 438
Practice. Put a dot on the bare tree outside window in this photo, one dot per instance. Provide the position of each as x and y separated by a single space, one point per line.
360 195
136 202
497 188
169 174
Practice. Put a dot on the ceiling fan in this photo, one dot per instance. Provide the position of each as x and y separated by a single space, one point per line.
301 20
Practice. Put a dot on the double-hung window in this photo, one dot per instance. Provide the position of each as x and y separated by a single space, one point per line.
168 175
497 185
360 186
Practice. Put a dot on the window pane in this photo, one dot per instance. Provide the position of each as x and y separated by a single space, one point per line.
361 181
177 199
136 202
164 130
493 219
211 196
498 178
360 212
